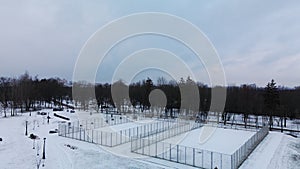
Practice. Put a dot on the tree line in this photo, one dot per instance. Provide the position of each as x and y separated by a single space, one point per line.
30 93
27 93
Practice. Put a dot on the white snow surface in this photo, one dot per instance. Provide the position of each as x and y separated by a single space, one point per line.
16 149
225 141
276 151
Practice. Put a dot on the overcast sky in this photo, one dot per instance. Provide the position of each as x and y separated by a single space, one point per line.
256 40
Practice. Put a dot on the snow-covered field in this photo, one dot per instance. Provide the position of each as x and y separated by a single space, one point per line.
152 124
16 149
277 150
225 141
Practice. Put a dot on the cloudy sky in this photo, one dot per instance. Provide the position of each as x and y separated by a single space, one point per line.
256 40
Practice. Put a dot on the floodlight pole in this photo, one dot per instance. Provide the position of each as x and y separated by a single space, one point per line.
44 156
26 123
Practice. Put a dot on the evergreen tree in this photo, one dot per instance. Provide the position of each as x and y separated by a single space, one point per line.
271 100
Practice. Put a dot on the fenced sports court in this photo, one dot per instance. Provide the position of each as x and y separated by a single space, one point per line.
107 133
148 137
151 146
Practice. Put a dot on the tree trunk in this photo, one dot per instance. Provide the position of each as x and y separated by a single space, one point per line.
245 120
225 118
11 111
281 120
270 123
285 121
4 112
256 121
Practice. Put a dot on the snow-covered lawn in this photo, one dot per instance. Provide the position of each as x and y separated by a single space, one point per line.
225 141
16 149
277 150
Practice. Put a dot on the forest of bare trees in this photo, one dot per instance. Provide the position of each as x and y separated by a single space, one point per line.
27 93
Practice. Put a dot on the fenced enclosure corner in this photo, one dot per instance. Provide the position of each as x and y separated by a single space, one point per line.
240 155
94 123
85 132
180 154
148 139
195 157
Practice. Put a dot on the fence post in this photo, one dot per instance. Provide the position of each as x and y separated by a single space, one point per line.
84 135
140 140
97 137
80 133
170 152
73 131
106 138
121 137
185 154
221 161
129 133
58 132
211 160
131 144
163 155
202 153
143 151
155 148
177 152
101 137
88 133
65 130
232 160
193 156
111 139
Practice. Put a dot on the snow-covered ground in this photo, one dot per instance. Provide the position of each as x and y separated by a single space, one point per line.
16 149
225 141
277 150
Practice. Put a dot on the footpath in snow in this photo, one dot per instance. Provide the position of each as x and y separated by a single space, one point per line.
274 152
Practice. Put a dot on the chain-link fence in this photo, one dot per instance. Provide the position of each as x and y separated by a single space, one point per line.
146 139
180 154
107 120
161 129
240 155
153 147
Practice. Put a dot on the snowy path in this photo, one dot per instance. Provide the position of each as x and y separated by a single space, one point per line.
287 155
262 156
273 153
